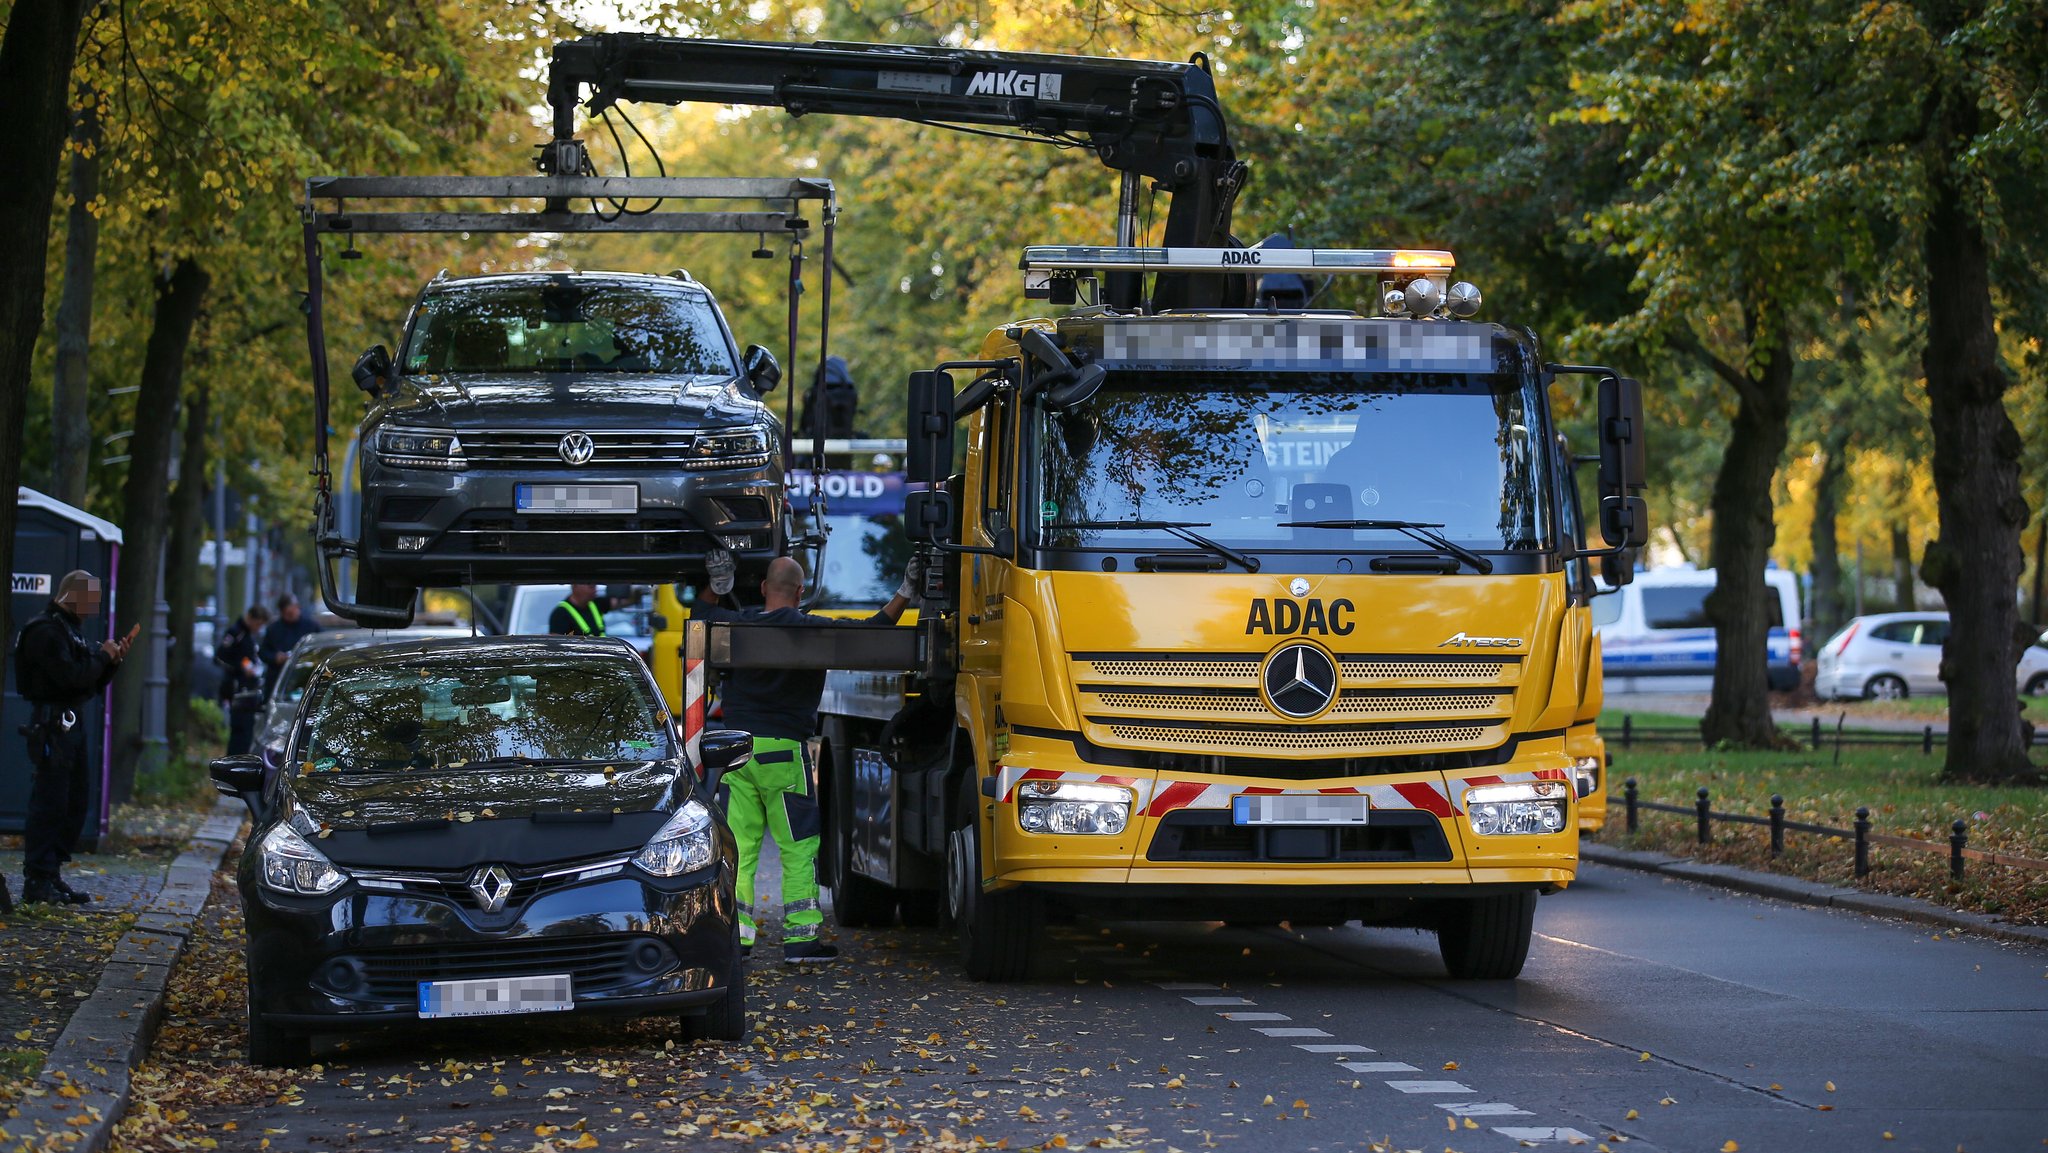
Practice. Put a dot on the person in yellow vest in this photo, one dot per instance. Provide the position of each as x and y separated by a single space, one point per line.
581 614
776 792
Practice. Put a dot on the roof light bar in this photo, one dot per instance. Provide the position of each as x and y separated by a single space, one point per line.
1099 258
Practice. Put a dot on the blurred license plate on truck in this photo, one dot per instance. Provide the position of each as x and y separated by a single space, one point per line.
1328 809
490 996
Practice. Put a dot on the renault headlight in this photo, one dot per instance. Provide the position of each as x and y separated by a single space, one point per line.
1073 808
292 865
729 448
420 448
682 845
1507 810
1586 775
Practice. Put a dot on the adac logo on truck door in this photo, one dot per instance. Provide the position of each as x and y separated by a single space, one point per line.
1043 85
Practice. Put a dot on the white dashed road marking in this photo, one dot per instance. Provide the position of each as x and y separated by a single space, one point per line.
1335 1049
1379 1066
1255 1016
1297 1032
1542 1133
1432 1087
1485 1109
1216 1001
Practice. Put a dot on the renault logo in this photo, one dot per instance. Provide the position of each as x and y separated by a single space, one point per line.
578 448
1300 681
491 884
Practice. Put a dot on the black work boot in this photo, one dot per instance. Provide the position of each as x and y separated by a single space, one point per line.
48 891
73 895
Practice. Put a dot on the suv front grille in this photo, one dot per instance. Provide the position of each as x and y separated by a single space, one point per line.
635 448
596 536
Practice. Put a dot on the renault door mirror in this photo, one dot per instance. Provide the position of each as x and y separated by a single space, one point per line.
1624 464
239 776
761 369
928 457
721 751
373 370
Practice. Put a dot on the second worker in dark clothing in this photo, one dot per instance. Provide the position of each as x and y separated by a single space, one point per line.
290 627
241 682
58 670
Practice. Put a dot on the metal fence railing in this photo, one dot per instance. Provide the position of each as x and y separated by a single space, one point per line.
1860 833
1818 737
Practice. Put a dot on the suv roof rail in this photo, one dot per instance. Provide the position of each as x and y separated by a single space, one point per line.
683 274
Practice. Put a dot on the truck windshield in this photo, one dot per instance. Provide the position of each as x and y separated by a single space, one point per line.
1262 462
566 326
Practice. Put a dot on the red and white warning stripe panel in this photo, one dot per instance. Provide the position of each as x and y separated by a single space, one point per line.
1009 775
1424 795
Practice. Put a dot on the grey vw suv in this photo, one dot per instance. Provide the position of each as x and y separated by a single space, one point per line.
564 425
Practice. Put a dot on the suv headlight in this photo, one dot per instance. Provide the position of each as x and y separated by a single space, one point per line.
1073 808
1507 810
420 448
732 448
681 845
1586 775
292 865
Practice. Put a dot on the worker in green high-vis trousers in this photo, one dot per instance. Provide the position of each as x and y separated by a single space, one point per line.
776 792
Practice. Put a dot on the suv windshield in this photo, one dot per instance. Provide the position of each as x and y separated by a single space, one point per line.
448 713
567 326
1242 455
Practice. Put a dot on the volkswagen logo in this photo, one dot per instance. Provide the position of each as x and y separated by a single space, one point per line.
1300 681
492 884
578 448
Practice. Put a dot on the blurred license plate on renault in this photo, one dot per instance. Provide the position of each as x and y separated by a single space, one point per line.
576 498
1327 809
552 993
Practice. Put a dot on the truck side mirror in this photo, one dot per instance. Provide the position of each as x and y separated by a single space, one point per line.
1624 463
928 516
928 458
760 368
1618 569
372 369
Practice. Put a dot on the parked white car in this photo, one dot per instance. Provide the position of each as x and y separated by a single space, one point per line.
1886 656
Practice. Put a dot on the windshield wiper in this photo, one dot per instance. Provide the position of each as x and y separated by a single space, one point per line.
1178 528
1423 531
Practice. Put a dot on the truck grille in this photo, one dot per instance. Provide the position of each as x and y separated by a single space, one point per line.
637 447
1386 703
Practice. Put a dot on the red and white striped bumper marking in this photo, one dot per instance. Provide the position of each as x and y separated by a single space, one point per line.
1006 784
1158 798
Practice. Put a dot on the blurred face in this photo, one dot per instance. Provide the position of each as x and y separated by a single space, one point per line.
582 593
253 622
289 612
84 602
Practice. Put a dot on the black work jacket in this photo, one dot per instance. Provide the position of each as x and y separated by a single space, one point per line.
55 664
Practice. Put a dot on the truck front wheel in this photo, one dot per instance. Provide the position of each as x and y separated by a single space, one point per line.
1487 939
998 931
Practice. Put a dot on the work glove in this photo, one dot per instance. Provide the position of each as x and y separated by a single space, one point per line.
719 567
913 579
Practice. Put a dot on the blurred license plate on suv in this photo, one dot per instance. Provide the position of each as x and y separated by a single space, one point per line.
483 998
576 498
1328 809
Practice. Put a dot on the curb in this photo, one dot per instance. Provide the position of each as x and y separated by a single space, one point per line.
86 1077
1813 893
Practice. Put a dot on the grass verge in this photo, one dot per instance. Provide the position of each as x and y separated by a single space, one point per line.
1899 785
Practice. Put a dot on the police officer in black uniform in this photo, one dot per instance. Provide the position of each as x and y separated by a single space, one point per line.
58 670
241 682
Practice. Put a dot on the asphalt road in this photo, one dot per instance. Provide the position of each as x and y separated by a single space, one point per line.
1652 1012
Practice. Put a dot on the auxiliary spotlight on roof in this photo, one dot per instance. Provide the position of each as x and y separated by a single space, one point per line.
1412 281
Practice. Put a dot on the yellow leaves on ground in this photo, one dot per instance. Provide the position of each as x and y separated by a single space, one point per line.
1729 1146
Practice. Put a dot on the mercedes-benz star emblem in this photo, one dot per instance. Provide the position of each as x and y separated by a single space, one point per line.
1300 680
1298 586
491 884
578 448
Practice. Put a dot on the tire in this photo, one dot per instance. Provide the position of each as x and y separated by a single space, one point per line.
2038 687
998 931
385 596
726 1020
1884 687
857 902
1487 939
273 1046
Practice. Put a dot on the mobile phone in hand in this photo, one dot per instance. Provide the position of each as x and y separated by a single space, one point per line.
133 632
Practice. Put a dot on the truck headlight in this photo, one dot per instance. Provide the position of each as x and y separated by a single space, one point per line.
1505 810
420 448
292 865
1586 775
732 448
1073 808
681 845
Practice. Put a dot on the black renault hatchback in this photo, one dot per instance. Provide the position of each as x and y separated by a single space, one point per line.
473 827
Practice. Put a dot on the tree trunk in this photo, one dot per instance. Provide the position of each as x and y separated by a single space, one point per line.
1826 607
35 70
2040 569
147 496
70 420
1902 567
1976 561
181 572
1739 712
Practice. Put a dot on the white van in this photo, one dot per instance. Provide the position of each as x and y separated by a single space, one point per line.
1655 636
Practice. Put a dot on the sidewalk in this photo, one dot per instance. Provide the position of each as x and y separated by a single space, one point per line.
94 976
